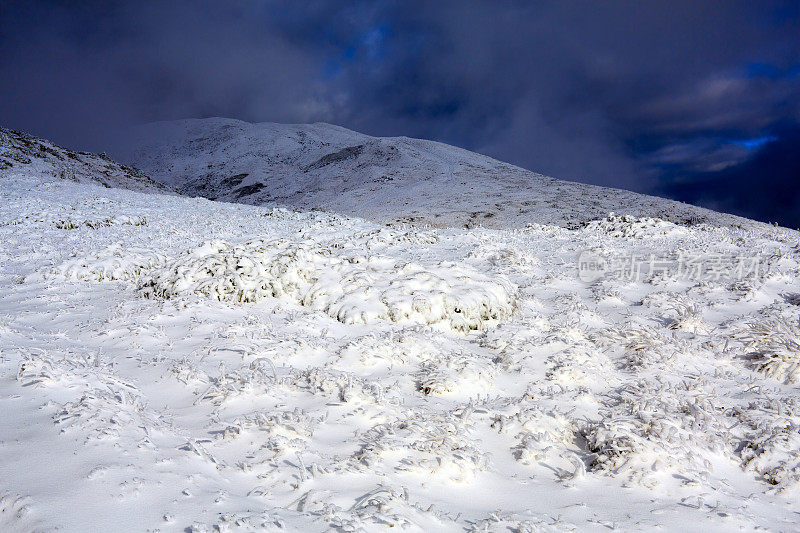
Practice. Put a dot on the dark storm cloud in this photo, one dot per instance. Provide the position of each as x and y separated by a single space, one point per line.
764 187
77 74
630 94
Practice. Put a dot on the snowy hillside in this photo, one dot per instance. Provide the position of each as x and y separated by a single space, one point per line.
382 179
176 364
24 154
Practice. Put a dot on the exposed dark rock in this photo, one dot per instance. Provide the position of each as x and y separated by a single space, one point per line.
342 155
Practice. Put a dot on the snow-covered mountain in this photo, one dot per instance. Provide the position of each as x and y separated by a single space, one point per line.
383 179
24 154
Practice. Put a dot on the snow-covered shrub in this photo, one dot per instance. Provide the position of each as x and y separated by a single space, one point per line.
59 369
381 508
746 289
792 298
95 223
639 346
399 235
506 258
430 446
502 522
187 372
257 378
627 226
513 342
656 427
773 346
268 435
768 440
263 521
541 437
454 373
578 366
389 349
351 289
342 386
111 263
605 290
68 224
689 317
105 414
775 455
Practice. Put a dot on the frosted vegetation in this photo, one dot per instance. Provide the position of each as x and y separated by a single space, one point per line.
352 288
175 364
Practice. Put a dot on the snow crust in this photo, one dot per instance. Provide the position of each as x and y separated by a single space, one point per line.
224 367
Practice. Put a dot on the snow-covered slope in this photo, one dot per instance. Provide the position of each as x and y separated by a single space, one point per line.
23 154
382 179
176 364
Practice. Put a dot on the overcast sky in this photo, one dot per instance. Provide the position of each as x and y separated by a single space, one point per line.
697 100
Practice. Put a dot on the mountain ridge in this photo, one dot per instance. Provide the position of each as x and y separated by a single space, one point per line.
23 153
386 179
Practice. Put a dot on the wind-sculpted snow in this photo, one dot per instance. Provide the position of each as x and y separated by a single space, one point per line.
178 364
15 513
353 289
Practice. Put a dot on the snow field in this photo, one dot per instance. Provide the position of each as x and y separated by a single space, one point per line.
234 368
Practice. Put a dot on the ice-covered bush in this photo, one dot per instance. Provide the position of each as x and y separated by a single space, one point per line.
95 223
111 263
773 346
626 226
655 428
638 345
454 373
541 437
280 432
688 317
429 446
350 288
770 444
